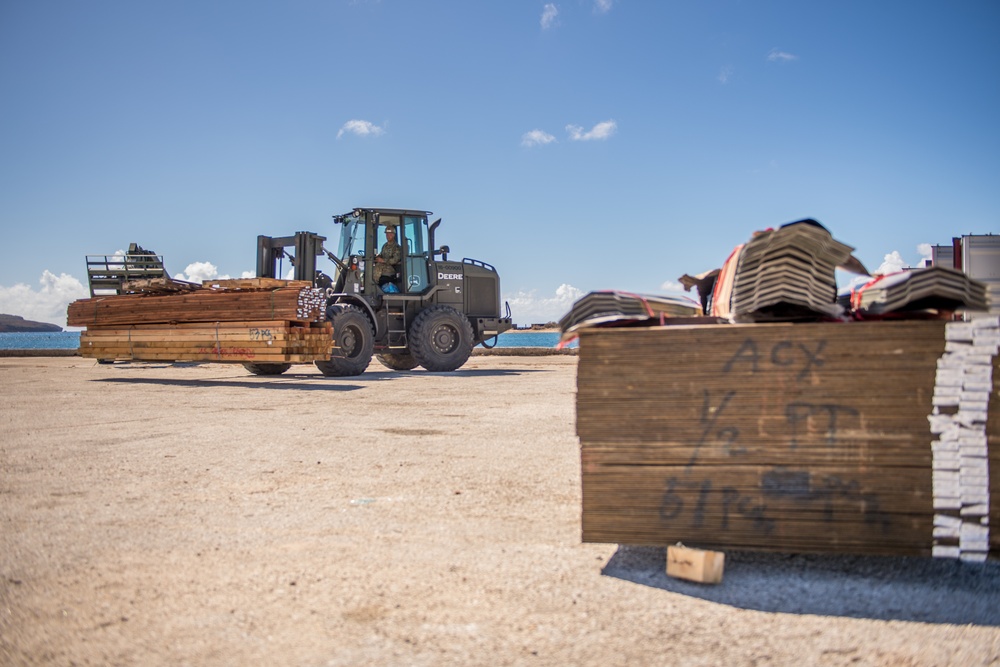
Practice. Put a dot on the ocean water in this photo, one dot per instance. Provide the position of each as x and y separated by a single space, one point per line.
57 340
68 340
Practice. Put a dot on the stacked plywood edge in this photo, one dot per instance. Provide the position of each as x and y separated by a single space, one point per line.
864 437
259 321
961 451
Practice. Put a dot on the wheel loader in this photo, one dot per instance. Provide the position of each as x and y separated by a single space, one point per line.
426 310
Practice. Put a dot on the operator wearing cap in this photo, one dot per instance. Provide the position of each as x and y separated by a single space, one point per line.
388 259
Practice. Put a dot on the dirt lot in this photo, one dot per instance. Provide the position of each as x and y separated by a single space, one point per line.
197 515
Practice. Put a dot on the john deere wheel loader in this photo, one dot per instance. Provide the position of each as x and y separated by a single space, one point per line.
425 311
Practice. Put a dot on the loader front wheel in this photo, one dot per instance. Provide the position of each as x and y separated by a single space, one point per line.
354 342
266 369
397 361
441 339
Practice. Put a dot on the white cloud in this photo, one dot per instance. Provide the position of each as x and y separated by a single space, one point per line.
892 263
362 128
725 74
598 132
46 304
925 250
536 138
197 272
530 308
781 56
550 14
603 6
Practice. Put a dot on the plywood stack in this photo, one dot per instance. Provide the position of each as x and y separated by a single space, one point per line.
936 287
792 437
614 308
788 273
259 320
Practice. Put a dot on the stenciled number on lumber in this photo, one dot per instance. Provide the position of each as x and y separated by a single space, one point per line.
778 482
708 419
672 505
261 334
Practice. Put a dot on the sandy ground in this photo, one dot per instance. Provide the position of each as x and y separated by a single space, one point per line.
196 515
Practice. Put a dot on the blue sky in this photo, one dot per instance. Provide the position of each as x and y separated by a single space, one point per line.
576 145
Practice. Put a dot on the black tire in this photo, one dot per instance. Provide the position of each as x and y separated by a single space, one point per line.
355 340
441 339
397 361
266 369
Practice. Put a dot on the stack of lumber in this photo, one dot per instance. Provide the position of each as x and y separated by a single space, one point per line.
258 320
788 273
936 287
864 438
291 303
258 342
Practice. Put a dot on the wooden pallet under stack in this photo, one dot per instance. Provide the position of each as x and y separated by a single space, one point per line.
250 320
863 438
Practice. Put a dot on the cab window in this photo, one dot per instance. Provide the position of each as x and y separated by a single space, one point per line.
415 246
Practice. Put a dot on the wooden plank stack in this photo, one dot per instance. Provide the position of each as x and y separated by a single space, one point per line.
255 320
276 341
840 437
290 302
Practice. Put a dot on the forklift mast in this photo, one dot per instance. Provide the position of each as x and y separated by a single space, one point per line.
307 246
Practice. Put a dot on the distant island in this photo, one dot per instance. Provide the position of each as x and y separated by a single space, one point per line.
17 324
548 326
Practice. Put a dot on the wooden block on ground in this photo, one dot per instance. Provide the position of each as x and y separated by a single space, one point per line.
704 567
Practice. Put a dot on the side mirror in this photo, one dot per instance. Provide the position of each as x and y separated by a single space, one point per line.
443 251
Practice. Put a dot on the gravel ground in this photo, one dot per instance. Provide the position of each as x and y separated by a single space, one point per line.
196 515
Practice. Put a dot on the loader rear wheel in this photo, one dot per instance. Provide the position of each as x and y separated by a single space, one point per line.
355 339
266 369
397 361
441 339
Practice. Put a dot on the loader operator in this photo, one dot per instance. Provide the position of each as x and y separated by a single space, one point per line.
388 259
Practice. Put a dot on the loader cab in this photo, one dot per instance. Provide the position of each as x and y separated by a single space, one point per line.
363 234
